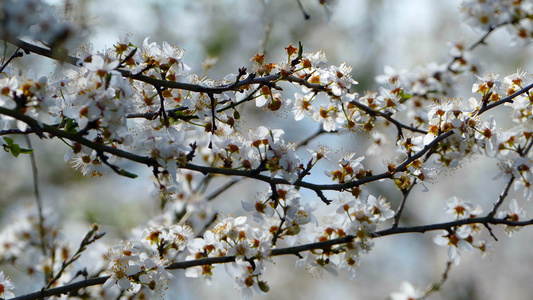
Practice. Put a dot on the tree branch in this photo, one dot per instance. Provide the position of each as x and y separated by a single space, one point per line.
505 100
250 80
295 250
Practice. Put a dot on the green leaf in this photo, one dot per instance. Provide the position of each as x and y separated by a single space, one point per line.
404 96
9 141
70 127
15 150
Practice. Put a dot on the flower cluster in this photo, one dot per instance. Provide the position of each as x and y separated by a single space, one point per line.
358 218
515 214
485 15
133 265
281 213
462 237
234 237
21 243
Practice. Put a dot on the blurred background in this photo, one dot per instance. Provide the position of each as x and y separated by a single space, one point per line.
366 34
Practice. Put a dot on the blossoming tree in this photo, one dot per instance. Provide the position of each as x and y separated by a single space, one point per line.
141 104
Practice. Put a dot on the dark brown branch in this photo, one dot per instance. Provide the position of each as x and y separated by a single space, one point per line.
43 128
64 289
153 81
251 96
150 162
326 245
399 125
504 100
42 51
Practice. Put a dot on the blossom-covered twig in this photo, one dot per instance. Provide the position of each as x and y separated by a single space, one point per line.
295 250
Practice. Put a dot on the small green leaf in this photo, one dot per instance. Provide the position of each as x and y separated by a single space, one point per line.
15 149
9 141
70 127
404 96
26 151
127 174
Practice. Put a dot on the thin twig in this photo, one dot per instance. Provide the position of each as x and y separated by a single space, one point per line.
42 233
405 194
437 285
91 236
489 229
251 96
312 137
502 197
388 117
306 15
13 56
162 110
480 41
264 42
505 192
206 226
222 189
